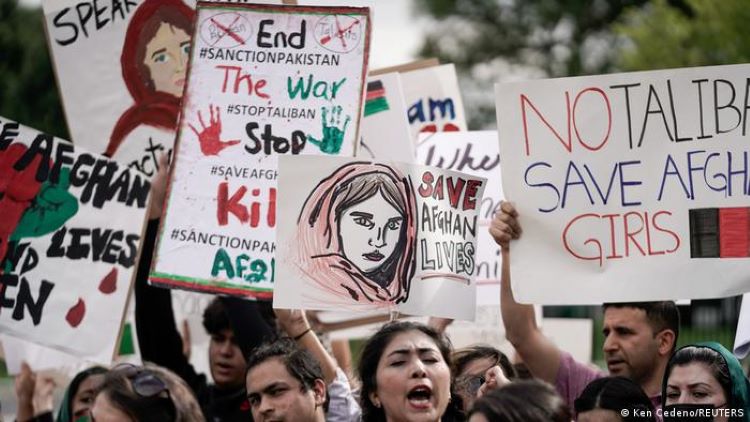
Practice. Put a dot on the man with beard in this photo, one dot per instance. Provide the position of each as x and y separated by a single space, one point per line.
639 337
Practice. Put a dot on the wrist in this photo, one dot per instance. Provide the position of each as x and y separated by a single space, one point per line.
302 334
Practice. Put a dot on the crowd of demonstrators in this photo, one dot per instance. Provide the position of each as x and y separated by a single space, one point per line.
271 366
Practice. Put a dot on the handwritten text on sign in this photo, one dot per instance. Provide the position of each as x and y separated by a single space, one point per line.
636 174
264 81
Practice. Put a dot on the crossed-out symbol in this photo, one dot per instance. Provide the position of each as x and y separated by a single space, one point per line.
227 31
339 32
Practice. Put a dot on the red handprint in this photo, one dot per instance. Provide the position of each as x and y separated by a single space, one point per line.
17 190
210 136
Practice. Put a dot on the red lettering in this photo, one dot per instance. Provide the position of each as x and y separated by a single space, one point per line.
470 196
426 188
226 205
609 119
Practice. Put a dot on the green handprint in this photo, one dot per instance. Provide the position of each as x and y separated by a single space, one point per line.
51 208
333 131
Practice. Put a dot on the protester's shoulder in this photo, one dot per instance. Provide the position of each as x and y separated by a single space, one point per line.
571 368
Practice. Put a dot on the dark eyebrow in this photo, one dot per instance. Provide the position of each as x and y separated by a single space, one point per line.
184 42
361 214
406 351
161 50
395 219
269 387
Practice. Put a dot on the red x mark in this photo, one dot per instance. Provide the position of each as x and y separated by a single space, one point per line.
339 32
228 31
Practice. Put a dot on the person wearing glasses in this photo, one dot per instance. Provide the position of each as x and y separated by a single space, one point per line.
478 369
132 393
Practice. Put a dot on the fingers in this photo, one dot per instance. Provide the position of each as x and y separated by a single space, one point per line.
505 226
218 116
194 130
200 119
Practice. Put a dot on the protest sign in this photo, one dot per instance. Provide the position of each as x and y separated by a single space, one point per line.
385 128
433 99
476 153
121 67
264 81
69 239
357 235
630 187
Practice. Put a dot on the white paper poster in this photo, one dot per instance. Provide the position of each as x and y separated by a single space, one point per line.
630 187
264 81
361 235
476 153
386 134
69 239
433 100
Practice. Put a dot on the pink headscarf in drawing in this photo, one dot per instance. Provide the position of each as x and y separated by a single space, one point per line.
321 255
151 107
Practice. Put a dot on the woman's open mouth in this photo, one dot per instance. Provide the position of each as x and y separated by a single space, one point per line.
420 397
373 256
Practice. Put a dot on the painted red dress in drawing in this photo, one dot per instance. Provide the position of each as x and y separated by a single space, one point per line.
357 236
154 80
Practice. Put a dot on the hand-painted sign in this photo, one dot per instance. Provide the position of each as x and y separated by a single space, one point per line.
433 99
264 81
385 128
478 154
630 187
69 235
370 235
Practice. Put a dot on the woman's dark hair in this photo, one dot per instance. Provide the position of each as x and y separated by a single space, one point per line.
119 390
75 383
710 357
461 358
616 394
523 401
370 357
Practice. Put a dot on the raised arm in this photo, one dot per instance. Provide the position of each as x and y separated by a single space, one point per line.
539 354
295 325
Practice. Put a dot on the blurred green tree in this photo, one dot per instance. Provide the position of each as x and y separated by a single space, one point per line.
659 37
494 40
28 92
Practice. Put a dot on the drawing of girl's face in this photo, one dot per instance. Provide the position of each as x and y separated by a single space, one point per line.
371 232
166 59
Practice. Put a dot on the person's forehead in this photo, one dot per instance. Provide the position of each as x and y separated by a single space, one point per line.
90 383
692 373
478 366
625 316
411 341
266 373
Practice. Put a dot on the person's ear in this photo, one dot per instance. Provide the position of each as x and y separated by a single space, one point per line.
319 392
374 399
665 342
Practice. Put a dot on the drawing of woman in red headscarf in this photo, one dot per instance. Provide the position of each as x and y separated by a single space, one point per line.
154 64
357 234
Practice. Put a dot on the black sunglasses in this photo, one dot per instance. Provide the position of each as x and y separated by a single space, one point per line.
145 383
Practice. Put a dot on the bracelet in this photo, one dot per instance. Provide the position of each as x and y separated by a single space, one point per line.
302 334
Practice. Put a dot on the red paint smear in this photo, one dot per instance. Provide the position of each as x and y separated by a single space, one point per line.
450 127
108 284
17 190
734 229
76 313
